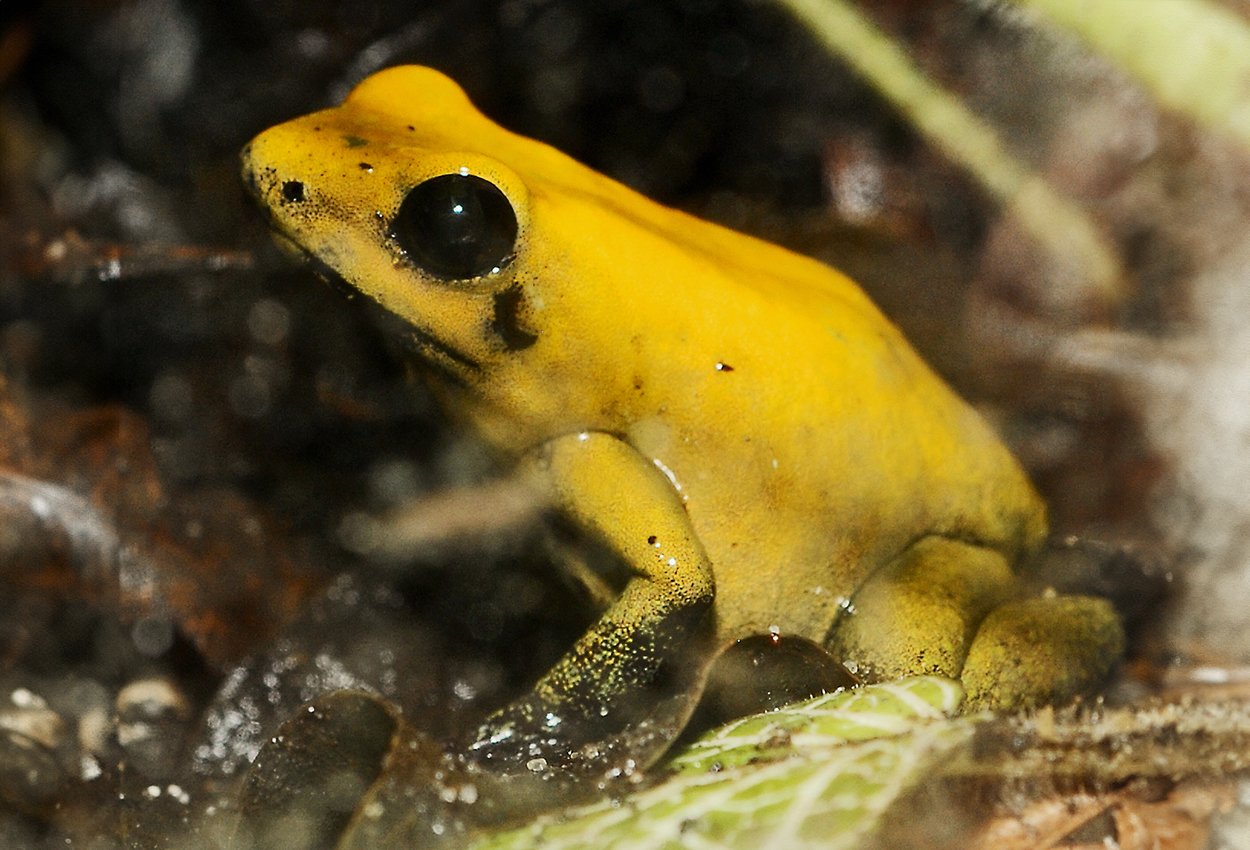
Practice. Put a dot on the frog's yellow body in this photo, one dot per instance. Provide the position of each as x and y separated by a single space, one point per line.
739 423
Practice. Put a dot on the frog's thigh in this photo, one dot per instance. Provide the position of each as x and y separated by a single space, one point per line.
1042 650
918 614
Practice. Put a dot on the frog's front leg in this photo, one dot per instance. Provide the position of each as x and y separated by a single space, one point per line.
627 687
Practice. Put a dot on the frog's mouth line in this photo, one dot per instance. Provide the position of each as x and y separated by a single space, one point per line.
448 362
451 364
435 353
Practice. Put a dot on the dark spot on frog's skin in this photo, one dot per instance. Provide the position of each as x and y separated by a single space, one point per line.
293 191
355 141
651 540
364 166
505 322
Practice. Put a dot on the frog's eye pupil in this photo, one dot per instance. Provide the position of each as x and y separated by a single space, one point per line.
456 226
293 191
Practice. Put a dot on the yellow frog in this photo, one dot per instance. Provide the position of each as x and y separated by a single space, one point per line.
756 443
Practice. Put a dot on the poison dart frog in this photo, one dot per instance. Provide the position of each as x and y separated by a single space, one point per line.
739 425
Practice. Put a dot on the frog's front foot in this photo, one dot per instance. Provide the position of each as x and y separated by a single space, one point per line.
609 709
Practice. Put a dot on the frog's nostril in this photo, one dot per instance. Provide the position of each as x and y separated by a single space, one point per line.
293 191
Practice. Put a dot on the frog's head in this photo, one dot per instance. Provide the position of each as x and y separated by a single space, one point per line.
459 228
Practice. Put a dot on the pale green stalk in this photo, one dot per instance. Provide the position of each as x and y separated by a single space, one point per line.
1193 55
1060 225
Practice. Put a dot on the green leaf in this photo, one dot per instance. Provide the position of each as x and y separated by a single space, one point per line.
816 774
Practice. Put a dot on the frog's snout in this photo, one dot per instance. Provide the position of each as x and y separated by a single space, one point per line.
248 172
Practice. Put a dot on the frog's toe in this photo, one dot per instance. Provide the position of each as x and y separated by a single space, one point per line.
1041 651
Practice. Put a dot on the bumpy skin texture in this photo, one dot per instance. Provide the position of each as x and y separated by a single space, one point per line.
740 424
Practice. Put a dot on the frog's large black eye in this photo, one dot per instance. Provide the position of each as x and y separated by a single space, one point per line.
456 226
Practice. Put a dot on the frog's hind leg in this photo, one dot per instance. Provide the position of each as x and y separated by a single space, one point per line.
919 613
946 607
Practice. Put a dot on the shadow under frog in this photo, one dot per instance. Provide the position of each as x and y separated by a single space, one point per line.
755 443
